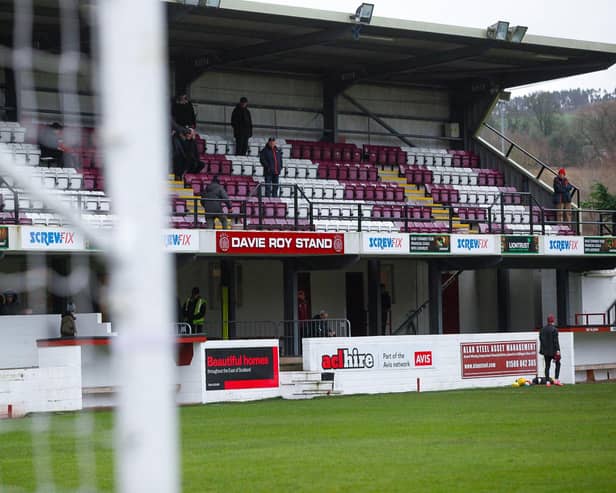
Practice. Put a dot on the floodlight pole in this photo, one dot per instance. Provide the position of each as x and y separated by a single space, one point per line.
135 136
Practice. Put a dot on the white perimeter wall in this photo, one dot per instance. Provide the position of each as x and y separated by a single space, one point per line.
19 333
54 386
444 373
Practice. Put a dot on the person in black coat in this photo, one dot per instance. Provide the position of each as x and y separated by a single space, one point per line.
241 121
183 112
271 160
185 152
212 199
550 348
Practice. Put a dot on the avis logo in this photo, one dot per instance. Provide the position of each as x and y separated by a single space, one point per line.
347 359
423 358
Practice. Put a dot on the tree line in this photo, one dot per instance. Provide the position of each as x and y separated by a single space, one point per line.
575 129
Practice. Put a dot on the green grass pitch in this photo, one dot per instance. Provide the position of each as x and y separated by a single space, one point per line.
497 440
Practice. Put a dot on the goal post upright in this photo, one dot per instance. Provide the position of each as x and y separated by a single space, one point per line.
135 135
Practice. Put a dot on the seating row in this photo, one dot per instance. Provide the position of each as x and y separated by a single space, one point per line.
325 151
389 192
417 212
11 132
347 172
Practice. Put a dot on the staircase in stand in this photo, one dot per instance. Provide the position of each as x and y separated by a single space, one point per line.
417 195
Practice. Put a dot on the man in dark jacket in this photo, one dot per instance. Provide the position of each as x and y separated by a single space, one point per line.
185 152
241 121
550 348
183 112
212 199
271 160
562 196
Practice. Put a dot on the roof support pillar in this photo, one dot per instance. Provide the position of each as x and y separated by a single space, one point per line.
10 95
562 297
374 297
330 111
435 290
503 299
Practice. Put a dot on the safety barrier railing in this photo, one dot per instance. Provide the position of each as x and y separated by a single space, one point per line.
289 332
536 217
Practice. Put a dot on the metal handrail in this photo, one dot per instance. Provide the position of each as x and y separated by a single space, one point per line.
542 165
409 321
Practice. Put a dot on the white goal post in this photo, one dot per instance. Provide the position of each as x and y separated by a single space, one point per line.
133 84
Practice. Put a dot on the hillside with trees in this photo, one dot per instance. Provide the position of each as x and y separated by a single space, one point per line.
574 129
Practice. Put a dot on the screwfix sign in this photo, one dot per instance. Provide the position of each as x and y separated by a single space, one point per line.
35 238
279 243
181 240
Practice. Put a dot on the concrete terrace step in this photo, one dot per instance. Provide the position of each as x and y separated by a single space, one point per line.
306 384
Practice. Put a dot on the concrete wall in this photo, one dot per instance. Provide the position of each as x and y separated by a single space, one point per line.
19 333
524 299
548 294
598 292
478 301
422 103
54 386
213 88
261 90
410 291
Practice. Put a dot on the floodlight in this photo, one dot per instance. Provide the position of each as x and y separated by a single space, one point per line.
363 14
516 33
499 30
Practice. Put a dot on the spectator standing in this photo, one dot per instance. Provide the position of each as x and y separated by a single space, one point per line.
183 112
385 308
562 196
68 327
12 306
302 305
241 121
550 348
212 199
271 160
321 326
53 148
194 311
185 152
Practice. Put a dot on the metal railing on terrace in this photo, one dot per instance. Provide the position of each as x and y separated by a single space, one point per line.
295 211
289 332
520 157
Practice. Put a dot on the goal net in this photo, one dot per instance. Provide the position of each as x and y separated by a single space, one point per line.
83 164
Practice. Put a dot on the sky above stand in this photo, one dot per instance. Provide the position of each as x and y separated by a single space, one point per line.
590 20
